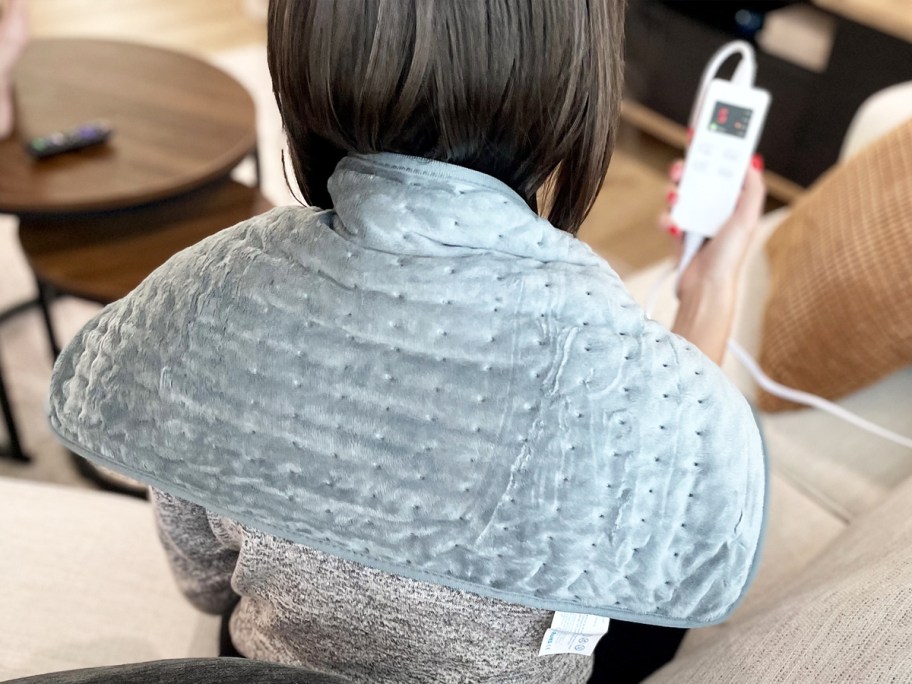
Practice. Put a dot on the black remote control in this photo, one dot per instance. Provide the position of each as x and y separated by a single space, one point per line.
93 133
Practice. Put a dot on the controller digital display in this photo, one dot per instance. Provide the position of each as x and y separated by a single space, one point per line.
730 119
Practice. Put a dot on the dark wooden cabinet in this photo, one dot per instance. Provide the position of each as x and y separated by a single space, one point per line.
669 43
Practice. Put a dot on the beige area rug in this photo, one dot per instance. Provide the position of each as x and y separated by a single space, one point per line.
621 225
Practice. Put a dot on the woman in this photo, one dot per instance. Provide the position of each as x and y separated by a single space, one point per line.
392 436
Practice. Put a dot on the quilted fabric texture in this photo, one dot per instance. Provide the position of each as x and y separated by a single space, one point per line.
838 318
432 381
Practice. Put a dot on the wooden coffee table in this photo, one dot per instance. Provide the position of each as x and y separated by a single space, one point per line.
94 223
178 123
102 257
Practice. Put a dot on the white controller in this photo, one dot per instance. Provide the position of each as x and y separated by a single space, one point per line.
726 131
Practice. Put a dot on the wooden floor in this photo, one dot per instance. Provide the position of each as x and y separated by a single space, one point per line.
621 226
201 26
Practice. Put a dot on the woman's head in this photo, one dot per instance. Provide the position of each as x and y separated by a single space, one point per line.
526 91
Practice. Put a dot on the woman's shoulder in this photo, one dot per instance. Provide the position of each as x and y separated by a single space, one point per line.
222 257
195 284
647 387
257 233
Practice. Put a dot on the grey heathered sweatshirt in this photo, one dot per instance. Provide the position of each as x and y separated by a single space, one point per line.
298 606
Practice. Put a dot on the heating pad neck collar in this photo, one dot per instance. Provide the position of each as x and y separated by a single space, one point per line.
441 210
431 381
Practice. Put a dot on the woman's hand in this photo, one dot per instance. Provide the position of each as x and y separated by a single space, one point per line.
707 288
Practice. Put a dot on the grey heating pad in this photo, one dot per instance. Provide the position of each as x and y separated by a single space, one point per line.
430 380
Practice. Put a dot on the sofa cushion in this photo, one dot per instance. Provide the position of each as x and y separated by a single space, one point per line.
849 471
846 618
86 584
837 318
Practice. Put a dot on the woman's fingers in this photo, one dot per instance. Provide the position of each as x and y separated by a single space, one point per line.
675 171
732 242
734 236
751 202
668 226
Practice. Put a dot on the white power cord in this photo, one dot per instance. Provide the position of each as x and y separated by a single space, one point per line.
690 245
778 389
809 399
656 290
744 74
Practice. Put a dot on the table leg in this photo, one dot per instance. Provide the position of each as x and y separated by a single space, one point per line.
46 297
256 165
19 308
14 450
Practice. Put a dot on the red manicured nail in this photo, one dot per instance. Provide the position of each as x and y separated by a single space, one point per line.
673 230
671 198
690 135
675 171
757 162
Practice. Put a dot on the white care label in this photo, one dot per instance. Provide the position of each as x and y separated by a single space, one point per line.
580 623
573 633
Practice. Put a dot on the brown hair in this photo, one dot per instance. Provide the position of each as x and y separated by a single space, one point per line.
527 91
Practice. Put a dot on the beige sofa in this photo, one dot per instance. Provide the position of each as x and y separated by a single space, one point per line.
86 584
832 601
